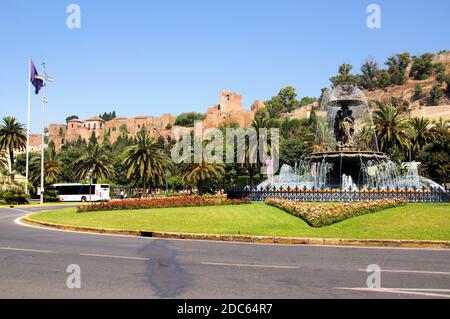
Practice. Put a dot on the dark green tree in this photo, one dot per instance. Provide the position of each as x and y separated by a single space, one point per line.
370 72
436 94
188 119
285 102
397 66
422 67
344 77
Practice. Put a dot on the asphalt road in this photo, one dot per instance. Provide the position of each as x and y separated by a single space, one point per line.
33 264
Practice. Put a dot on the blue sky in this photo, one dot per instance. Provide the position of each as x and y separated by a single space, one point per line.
153 57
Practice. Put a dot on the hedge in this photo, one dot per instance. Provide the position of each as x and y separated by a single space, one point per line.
168 202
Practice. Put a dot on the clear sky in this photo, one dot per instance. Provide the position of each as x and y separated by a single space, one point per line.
152 57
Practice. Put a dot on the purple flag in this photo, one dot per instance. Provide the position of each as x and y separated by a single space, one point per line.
35 79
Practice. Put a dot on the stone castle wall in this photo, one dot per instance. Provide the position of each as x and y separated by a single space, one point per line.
228 112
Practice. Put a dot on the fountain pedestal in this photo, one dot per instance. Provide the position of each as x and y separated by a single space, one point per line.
349 163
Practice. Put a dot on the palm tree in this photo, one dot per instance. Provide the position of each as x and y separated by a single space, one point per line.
52 167
391 128
252 157
12 137
324 140
3 160
146 160
369 73
421 134
440 130
197 169
95 162
199 173
365 138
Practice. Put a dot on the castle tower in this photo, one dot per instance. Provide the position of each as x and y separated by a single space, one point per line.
230 102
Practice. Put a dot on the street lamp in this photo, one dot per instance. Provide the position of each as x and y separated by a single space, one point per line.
410 151
44 101
90 184
167 184
45 78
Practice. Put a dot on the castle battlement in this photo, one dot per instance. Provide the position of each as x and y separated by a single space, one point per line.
227 112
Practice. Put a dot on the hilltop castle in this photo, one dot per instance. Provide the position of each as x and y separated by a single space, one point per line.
227 112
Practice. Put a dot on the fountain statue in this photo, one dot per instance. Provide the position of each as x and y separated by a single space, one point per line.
347 154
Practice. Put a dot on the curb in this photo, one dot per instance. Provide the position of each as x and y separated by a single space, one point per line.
250 239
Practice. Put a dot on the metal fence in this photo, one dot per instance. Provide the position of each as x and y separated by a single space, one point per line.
327 195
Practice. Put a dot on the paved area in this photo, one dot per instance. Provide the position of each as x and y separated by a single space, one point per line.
34 261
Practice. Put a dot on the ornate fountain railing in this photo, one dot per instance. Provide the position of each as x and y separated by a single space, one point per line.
328 195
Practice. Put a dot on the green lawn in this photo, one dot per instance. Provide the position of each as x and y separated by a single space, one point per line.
414 221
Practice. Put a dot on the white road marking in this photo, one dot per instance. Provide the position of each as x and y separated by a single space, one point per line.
413 272
27 250
405 291
18 221
112 256
249 265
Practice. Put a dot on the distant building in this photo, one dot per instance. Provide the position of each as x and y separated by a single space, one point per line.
229 111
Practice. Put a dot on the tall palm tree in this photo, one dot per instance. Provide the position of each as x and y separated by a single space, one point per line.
196 169
3 160
52 168
391 128
95 162
421 134
365 138
199 173
146 160
12 137
369 73
252 160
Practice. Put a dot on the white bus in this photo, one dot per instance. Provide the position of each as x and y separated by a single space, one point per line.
81 192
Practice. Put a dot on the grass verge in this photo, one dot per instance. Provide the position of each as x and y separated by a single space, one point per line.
411 222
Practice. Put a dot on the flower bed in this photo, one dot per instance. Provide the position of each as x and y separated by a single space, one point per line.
327 214
168 202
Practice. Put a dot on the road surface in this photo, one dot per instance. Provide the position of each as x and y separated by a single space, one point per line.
34 262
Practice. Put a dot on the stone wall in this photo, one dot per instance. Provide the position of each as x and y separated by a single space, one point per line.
228 112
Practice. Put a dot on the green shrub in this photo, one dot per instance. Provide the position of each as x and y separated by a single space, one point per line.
435 95
15 198
51 196
418 91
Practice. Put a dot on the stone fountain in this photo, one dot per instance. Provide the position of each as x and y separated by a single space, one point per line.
347 154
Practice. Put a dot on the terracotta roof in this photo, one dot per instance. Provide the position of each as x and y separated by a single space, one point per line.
76 120
96 119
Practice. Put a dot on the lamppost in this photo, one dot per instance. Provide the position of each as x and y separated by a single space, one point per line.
167 184
410 152
44 101
45 78
90 184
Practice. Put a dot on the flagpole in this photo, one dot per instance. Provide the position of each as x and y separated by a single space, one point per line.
28 127
42 134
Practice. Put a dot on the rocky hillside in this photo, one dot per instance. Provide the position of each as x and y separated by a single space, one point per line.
408 91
